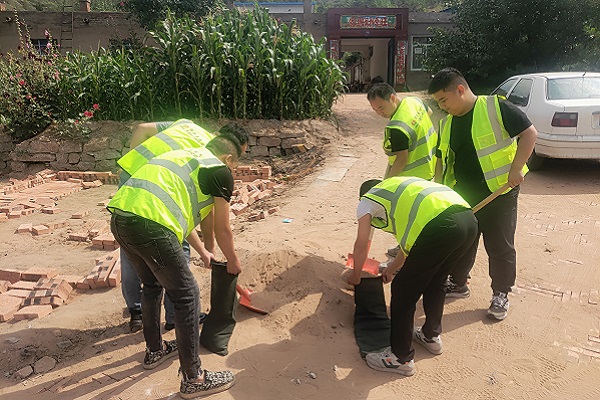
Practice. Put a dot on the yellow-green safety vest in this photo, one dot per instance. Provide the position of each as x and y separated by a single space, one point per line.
166 190
182 134
412 119
495 148
410 204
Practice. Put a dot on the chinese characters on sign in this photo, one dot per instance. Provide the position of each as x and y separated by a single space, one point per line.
334 49
368 22
400 61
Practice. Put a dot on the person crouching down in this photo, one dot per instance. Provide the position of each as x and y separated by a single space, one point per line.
435 228
153 211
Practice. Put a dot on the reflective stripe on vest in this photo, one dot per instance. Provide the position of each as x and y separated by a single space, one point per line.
182 134
166 190
495 148
412 119
410 204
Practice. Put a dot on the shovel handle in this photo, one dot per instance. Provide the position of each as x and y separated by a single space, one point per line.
491 197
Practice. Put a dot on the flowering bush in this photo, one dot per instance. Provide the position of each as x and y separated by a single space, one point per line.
77 128
28 86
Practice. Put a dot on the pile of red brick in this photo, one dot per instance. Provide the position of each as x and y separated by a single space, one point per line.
106 273
251 185
89 176
96 231
33 293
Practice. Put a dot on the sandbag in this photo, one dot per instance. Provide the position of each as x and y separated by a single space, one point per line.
372 325
219 323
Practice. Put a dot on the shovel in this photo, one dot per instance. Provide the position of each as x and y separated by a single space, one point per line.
491 197
245 300
371 266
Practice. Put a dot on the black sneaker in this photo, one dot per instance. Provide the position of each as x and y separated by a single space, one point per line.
455 291
169 326
135 323
153 359
499 306
214 382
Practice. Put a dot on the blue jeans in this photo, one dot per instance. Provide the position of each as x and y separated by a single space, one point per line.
131 287
159 260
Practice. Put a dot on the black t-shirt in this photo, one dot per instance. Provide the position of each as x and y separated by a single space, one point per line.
217 182
470 182
398 139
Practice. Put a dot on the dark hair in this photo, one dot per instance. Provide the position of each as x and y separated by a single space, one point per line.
368 185
225 143
448 78
236 130
381 90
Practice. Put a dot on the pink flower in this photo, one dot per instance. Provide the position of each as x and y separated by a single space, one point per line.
76 121
96 106
122 4
88 114
48 45
47 34
21 82
28 97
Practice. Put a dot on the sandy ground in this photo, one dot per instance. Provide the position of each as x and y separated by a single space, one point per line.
548 347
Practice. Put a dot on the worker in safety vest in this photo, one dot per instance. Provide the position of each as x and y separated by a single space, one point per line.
149 140
435 229
409 139
478 153
153 212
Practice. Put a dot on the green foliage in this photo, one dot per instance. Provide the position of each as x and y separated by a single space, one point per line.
57 5
28 88
150 12
497 38
412 5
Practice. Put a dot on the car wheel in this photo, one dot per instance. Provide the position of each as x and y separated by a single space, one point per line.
535 162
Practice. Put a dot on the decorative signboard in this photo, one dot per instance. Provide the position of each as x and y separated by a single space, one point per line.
367 22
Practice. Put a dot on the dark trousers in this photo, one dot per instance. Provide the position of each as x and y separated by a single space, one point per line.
442 244
158 258
497 224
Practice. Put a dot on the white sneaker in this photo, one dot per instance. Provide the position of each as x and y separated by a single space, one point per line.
387 361
434 345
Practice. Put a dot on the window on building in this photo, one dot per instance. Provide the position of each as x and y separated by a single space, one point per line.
419 51
42 45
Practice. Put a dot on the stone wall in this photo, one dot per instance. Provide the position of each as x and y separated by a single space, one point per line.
110 140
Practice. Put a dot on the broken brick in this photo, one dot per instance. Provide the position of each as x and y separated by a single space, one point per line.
35 274
8 306
40 230
80 215
32 312
24 228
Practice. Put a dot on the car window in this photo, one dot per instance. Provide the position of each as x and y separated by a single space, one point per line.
520 94
573 88
504 87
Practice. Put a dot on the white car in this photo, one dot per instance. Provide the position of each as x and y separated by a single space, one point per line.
565 109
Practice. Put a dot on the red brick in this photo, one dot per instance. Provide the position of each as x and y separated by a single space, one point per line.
27 211
11 208
32 312
264 194
51 210
114 279
82 284
3 217
51 284
20 293
4 285
70 279
23 285
14 214
28 204
273 210
24 228
10 275
35 274
238 208
74 180
80 215
45 201
54 301
40 230
8 306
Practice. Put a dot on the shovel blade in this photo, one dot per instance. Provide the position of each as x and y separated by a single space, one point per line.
245 300
371 266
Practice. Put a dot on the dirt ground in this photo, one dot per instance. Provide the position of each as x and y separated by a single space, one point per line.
547 348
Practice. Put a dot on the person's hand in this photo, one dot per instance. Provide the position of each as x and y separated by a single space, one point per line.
354 278
234 267
515 178
388 274
206 256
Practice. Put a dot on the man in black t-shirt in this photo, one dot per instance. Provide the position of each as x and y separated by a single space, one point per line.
477 154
